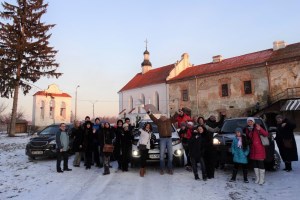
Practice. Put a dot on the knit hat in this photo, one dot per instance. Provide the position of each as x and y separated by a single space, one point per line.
238 129
190 123
250 119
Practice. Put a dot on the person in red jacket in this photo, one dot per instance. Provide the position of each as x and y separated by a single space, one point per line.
185 133
182 117
257 150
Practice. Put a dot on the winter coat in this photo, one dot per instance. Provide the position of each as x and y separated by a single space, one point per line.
77 135
257 150
239 153
164 127
62 140
118 132
185 135
88 139
126 141
183 118
106 136
197 146
144 138
286 133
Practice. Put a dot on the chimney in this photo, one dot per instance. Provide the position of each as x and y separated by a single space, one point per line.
278 45
217 58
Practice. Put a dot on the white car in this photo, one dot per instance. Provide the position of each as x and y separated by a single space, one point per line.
154 152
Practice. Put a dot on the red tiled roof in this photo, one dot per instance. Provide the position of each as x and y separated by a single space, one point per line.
43 93
226 64
154 76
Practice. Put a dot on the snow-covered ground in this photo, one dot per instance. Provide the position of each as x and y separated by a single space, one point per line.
23 179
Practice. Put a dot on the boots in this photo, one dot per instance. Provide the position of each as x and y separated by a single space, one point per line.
245 173
256 170
196 176
142 172
288 166
261 176
106 170
233 178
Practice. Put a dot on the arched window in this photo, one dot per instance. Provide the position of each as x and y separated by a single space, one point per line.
130 103
156 100
42 109
52 108
63 110
143 99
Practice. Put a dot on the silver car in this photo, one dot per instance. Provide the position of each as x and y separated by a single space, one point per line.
154 152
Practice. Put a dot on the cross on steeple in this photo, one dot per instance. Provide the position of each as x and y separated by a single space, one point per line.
146 41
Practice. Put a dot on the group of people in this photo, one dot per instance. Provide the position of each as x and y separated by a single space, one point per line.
90 140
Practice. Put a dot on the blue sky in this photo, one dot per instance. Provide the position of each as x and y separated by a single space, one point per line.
101 43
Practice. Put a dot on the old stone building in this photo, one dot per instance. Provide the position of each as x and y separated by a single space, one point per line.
149 88
264 82
51 106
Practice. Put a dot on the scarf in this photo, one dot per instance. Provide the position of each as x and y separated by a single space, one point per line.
240 144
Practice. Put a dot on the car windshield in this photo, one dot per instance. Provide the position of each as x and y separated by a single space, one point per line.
229 126
50 130
154 127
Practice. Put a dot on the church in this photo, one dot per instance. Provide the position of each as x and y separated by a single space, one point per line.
51 106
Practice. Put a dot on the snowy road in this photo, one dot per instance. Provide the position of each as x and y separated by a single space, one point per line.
21 179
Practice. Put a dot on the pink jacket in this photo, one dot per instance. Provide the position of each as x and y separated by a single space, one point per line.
257 150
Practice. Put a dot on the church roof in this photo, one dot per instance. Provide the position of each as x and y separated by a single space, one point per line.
154 76
43 93
251 59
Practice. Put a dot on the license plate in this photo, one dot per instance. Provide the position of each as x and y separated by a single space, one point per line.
154 156
37 152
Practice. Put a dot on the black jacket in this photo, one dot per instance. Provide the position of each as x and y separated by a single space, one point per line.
197 146
77 135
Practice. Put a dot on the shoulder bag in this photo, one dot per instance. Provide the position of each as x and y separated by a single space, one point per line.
264 140
107 148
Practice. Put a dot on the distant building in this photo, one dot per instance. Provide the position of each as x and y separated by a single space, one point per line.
51 106
149 87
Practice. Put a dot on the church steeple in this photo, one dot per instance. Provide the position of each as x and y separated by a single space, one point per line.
146 64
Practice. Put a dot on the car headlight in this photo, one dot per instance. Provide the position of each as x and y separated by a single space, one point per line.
178 152
216 141
177 141
52 142
135 153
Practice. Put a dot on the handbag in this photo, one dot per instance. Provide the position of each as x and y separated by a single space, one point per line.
107 148
142 147
287 143
264 140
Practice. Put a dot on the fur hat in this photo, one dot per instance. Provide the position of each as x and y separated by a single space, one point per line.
125 125
190 123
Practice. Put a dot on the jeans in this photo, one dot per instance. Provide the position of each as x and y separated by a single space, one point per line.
163 144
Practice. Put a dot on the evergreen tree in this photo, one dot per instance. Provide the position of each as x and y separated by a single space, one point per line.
25 54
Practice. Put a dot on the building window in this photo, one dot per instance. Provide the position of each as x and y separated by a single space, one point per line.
185 95
63 110
131 103
52 108
157 100
247 87
43 109
224 89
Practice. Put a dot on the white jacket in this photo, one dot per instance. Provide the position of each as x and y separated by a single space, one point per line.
144 138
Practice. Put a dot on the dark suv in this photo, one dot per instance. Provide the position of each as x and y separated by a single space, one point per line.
43 143
222 142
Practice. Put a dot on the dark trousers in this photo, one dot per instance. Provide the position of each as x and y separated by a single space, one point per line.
144 156
237 165
210 163
125 159
195 168
62 155
96 154
88 158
